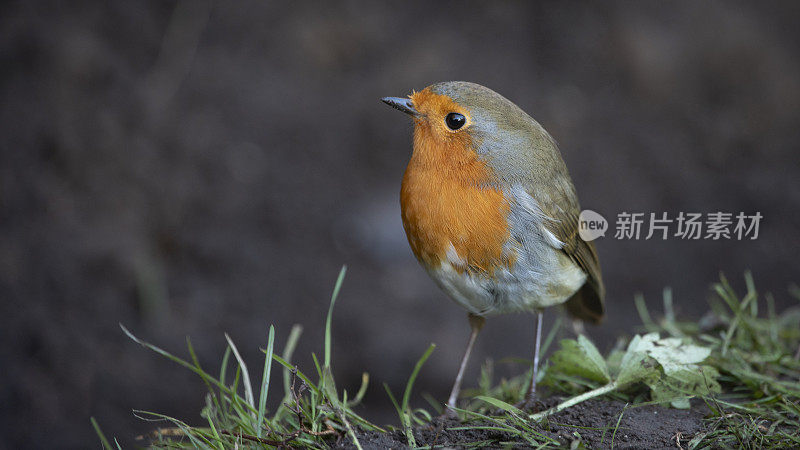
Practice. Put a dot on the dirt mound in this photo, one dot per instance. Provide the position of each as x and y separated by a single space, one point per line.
594 423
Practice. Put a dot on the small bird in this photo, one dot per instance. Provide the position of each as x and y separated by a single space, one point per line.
491 213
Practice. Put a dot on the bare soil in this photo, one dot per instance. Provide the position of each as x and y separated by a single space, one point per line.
592 422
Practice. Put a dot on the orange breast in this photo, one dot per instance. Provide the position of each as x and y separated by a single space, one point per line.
446 201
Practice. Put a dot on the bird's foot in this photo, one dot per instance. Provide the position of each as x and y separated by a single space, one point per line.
448 413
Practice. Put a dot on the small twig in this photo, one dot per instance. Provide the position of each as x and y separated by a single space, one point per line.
329 430
296 393
677 439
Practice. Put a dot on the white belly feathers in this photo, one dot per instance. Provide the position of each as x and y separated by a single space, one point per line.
541 276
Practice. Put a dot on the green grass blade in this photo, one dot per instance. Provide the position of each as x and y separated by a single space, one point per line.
173 358
644 314
394 401
616 427
361 390
207 379
335 294
223 370
502 405
288 351
100 435
433 402
317 366
262 400
403 410
248 387
350 431
738 310
217 438
414 373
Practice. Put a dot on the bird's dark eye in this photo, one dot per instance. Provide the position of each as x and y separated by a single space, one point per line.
455 121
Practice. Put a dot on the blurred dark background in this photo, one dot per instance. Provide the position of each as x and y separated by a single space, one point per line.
195 168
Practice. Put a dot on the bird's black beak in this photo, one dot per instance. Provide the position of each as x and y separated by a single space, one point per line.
403 104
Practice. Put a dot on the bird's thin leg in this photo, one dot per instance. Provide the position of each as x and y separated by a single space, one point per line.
532 391
475 323
578 328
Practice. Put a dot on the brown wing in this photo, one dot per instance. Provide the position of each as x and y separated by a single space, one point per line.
589 302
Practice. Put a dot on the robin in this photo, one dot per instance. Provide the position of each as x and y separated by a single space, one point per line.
491 213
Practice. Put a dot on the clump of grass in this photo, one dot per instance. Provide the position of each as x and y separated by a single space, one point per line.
408 416
755 353
741 362
236 415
